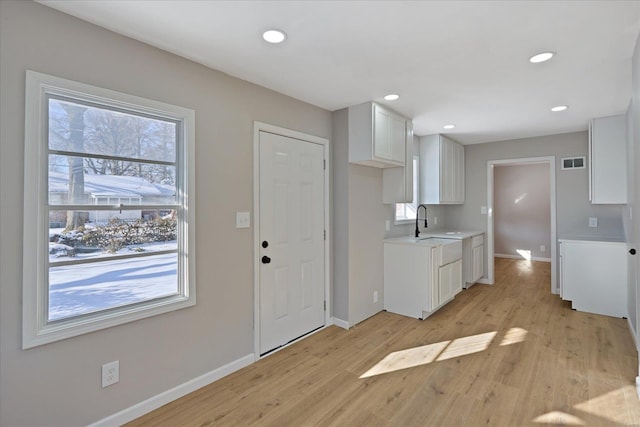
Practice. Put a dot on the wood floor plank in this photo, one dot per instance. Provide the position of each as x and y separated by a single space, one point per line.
508 354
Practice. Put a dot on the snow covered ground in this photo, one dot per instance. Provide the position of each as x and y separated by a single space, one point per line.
89 287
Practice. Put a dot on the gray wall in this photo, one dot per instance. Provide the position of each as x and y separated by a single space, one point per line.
573 208
340 241
58 384
521 209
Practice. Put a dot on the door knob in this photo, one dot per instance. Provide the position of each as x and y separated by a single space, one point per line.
266 260
265 244
632 251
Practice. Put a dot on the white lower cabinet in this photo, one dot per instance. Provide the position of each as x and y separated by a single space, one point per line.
415 284
593 276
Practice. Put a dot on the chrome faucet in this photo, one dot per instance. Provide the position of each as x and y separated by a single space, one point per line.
418 216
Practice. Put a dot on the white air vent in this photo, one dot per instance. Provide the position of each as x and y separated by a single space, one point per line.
574 163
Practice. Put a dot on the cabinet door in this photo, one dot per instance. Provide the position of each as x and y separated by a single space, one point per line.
397 183
608 160
459 173
381 133
444 284
455 277
478 263
447 174
397 134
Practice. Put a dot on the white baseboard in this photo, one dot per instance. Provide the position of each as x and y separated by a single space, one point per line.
170 395
341 323
520 257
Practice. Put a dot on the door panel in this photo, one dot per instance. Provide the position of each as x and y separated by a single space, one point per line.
291 300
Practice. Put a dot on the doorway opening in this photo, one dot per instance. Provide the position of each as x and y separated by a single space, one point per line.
520 197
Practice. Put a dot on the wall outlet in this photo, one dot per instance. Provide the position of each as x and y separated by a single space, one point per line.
543 248
483 210
387 225
110 373
435 220
593 221
375 296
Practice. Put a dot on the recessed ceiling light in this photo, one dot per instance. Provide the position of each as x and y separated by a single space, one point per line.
559 108
541 57
391 97
449 126
274 36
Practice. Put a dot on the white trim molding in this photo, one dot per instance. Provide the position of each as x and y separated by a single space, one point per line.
340 323
511 256
146 406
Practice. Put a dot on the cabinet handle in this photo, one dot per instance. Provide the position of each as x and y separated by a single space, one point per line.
632 251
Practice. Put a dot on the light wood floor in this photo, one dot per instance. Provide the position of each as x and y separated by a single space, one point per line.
510 354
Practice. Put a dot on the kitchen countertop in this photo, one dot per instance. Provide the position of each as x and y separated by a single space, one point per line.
421 241
451 234
593 239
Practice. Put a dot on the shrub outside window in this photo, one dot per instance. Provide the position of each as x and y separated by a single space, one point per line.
106 233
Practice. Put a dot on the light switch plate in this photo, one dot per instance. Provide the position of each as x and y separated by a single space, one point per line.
483 210
593 221
243 220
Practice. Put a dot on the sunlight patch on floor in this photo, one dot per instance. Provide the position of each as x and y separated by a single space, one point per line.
514 335
409 358
612 405
444 350
558 417
467 345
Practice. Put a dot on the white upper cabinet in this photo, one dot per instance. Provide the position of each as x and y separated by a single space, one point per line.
377 136
608 160
441 170
397 183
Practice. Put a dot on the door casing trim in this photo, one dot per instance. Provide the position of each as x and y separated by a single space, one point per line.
551 161
277 130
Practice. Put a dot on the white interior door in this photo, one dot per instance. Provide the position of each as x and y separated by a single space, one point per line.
291 251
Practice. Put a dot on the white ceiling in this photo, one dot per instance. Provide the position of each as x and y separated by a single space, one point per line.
460 62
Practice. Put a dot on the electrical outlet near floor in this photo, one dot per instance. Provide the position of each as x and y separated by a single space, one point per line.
375 296
543 248
110 373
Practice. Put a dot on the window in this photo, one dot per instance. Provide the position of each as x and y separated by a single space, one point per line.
406 212
106 232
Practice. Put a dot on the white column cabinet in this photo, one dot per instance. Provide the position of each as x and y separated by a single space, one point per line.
441 170
377 136
608 160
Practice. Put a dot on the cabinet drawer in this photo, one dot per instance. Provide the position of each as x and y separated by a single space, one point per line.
477 241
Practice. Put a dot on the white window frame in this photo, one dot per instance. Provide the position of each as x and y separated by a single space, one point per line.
35 328
416 195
